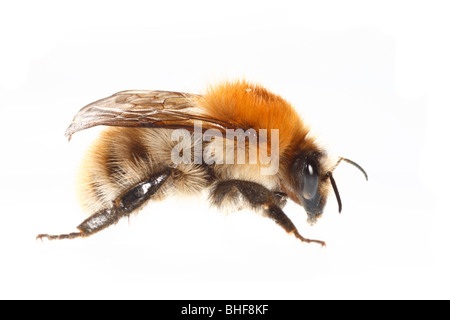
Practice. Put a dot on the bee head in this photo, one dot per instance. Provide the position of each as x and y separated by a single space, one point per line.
308 181
311 181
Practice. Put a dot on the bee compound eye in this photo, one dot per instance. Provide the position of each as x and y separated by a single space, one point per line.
310 179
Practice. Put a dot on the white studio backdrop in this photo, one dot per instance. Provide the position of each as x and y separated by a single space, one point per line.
371 78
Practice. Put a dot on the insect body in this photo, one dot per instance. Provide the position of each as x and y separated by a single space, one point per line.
245 145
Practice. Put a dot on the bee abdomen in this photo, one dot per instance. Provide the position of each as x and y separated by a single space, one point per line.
121 158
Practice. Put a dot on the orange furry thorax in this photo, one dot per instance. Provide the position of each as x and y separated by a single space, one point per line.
247 105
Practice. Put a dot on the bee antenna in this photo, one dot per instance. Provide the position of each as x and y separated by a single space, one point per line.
335 189
354 164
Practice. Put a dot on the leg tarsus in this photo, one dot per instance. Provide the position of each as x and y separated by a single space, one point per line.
300 237
276 214
91 225
72 235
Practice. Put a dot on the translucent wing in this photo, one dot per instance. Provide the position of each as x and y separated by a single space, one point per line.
142 108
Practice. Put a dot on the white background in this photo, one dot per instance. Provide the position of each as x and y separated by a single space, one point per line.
371 78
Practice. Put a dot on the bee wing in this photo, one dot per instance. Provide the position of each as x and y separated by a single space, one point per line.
143 108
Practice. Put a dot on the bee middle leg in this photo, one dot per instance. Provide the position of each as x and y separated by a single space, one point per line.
123 206
258 197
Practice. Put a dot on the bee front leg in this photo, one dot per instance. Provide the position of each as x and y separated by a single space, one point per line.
123 206
276 214
258 197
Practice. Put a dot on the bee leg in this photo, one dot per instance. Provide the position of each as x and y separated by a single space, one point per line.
91 225
258 197
282 198
275 213
123 206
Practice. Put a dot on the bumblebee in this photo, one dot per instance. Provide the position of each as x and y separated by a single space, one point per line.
132 162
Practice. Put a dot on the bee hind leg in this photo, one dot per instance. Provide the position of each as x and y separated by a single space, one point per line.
98 221
258 197
123 206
